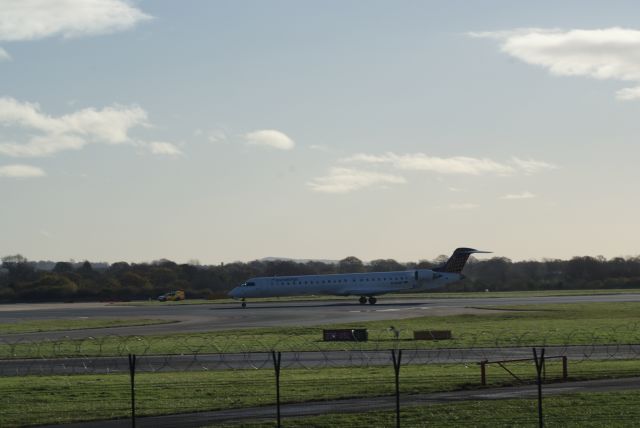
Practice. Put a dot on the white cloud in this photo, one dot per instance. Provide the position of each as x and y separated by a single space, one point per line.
610 53
21 171
628 94
532 166
163 148
463 206
522 195
345 180
451 165
37 19
422 162
4 55
270 138
110 125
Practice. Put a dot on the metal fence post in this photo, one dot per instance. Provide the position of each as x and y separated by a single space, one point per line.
396 368
565 368
483 372
539 367
276 366
132 375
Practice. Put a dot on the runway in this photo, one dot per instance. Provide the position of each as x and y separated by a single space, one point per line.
229 316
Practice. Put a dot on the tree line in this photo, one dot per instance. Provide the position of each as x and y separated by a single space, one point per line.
21 280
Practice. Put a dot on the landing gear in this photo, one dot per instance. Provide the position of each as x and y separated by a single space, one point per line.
244 304
372 300
362 300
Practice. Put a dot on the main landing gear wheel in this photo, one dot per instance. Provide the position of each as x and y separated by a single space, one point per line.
362 300
372 300
244 305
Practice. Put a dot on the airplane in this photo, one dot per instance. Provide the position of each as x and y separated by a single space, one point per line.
366 285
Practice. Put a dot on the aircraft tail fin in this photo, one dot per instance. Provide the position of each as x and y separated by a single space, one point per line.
458 259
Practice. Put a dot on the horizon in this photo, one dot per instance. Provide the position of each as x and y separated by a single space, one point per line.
196 262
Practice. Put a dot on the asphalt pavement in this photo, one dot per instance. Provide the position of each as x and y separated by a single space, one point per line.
215 317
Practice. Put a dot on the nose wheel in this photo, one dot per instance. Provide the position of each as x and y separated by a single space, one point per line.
244 304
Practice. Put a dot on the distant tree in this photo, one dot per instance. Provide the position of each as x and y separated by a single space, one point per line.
19 269
350 264
118 267
385 265
164 263
49 286
14 259
85 269
63 267
424 264
135 285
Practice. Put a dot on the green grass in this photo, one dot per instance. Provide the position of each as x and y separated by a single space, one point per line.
77 324
37 400
612 409
554 324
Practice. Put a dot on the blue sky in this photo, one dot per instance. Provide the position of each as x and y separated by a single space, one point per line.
236 130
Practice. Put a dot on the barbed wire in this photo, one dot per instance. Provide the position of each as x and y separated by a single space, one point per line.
64 355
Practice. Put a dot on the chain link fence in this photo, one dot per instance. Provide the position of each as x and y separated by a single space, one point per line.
201 381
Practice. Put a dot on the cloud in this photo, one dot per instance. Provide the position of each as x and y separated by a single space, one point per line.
451 165
531 166
345 180
163 148
270 138
423 162
21 171
610 53
4 55
522 195
628 94
38 19
109 125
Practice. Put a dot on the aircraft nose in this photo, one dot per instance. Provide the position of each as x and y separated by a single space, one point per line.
233 293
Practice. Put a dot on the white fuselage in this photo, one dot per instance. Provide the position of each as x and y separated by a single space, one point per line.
351 284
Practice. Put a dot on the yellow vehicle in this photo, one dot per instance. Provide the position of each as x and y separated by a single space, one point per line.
172 296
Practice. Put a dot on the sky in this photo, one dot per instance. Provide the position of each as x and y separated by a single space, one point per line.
236 130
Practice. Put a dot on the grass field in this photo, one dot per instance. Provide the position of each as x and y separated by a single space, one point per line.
79 324
612 409
559 324
59 399
37 400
